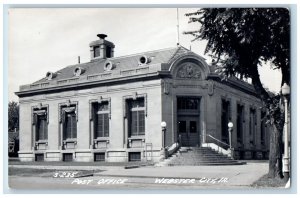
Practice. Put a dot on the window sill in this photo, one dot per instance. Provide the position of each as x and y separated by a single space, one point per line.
41 141
140 137
102 139
70 140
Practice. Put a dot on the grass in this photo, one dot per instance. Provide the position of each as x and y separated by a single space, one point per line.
28 171
61 163
268 182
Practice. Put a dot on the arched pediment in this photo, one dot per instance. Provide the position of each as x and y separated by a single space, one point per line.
188 70
189 66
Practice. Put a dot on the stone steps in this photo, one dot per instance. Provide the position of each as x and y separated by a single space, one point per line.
203 156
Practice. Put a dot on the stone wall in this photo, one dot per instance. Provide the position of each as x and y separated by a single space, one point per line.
117 146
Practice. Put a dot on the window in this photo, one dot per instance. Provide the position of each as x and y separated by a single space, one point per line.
239 122
252 125
136 117
187 104
263 128
193 126
40 123
182 126
99 157
39 157
225 118
134 156
41 128
70 123
68 157
96 51
101 122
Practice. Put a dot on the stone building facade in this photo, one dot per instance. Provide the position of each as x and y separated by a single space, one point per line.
111 108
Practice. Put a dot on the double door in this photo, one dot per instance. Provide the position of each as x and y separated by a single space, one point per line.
188 130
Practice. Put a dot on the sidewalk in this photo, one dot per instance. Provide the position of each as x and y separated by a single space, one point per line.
75 165
236 175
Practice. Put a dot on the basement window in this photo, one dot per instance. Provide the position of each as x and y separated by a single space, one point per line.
39 157
99 157
68 157
134 156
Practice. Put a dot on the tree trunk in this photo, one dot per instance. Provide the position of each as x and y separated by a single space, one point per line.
275 156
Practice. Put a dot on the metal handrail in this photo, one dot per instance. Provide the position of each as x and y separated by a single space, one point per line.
218 140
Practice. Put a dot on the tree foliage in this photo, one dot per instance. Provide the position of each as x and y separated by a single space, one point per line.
13 116
241 40
238 35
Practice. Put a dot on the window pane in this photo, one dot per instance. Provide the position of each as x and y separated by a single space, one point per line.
101 120
103 106
45 129
106 125
102 125
71 126
239 122
136 118
182 126
225 120
187 103
74 126
40 128
134 123
96 51
99 125
141 123
193 126
68 126
139 102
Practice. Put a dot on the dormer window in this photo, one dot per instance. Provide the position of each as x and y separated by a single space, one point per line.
96 51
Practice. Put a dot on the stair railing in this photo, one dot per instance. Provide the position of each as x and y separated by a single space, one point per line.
218 145
172 149
219 141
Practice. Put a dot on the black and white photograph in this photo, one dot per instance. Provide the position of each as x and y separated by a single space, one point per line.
148 98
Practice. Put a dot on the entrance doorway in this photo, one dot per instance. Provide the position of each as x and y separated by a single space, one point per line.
188 130
188 127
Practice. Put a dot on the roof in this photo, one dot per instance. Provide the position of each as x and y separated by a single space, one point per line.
121 63
125 67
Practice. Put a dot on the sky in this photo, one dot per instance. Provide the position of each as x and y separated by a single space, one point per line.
49 39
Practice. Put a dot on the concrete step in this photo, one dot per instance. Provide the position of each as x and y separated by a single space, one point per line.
200 156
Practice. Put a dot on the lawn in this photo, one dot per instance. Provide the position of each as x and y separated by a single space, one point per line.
267 182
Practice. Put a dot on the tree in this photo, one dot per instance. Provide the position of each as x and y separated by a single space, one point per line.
241 40
13 116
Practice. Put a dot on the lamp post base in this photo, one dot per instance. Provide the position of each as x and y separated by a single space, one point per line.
163 154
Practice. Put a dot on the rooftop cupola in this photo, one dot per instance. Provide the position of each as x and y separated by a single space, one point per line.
101 48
